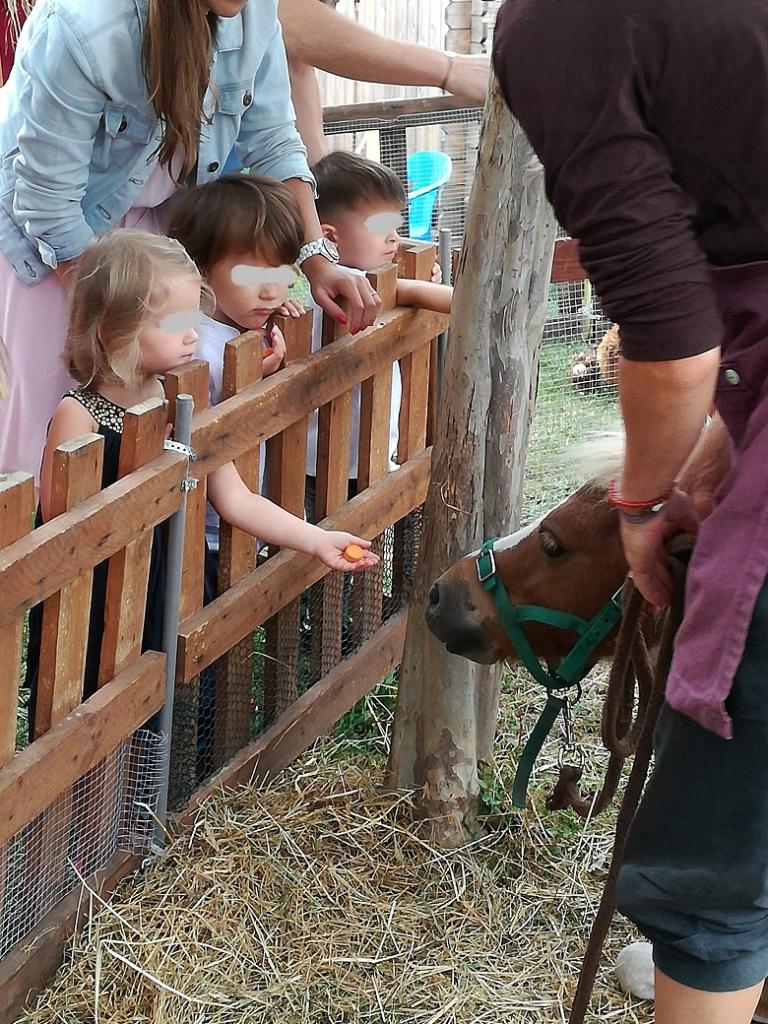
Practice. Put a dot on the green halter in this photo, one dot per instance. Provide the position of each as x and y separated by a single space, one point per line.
569 672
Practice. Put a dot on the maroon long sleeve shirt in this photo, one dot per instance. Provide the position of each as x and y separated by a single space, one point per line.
651 120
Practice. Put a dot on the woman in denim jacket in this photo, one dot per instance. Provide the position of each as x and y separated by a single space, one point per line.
111 106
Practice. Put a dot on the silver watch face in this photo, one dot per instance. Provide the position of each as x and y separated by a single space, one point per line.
330 251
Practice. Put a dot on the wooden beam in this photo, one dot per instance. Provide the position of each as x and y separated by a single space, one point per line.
17 507
128 574
391 110
75 476
224 432
334 434
566 265
38 565
243 366
37 776
27 968
204 637
286 476
313 715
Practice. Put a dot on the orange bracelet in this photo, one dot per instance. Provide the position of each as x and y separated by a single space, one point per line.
634 506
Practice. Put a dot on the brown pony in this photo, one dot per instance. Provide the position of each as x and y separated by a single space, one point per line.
571 560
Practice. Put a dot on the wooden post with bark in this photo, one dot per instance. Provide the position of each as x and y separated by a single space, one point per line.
447 707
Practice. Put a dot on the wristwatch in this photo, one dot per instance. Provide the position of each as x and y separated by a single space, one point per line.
320 247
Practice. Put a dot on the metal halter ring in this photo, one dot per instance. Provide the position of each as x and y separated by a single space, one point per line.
567 749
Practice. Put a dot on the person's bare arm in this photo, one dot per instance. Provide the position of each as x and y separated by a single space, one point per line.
424 295
664 405
305 93
319 36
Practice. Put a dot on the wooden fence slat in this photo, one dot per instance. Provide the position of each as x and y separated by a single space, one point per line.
39 565
17 507
237 556
207 635
76 475
372 464
415 260
286 483
327 601
242 367
414 370
259 412
17 504
566 265
128 575
384 280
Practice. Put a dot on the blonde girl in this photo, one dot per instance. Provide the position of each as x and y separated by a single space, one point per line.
136 304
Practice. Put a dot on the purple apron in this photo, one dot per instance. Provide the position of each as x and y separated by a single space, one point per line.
730 561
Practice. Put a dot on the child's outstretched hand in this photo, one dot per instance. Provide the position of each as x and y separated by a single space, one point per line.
437 274
333 549
292 307
274 356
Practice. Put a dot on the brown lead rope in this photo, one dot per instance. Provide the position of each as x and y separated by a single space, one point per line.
631 659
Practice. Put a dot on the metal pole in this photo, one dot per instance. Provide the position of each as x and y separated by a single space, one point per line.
182 435
444 258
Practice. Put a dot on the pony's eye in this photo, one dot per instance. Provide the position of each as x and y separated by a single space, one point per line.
549 543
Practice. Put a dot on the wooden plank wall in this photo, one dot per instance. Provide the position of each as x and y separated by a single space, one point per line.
413 21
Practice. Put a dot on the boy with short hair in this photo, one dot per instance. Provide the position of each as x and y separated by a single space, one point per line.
360 204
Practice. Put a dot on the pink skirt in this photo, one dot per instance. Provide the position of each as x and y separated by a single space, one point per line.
33 327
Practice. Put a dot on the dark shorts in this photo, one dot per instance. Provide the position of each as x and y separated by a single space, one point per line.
695 873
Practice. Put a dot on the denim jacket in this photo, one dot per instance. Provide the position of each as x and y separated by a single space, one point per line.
78 134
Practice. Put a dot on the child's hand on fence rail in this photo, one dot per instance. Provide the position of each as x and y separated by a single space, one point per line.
272 357
336 550
437 274
292 307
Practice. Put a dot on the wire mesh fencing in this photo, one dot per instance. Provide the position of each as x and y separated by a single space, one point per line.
110 808
398 141
577 394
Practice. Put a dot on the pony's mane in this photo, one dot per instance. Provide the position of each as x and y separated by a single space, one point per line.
599 457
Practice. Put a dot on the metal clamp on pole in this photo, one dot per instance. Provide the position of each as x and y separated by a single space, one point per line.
189 483
181 443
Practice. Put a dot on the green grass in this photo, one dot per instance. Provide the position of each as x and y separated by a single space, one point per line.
563 416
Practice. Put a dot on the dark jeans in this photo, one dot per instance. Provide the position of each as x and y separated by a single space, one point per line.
695 874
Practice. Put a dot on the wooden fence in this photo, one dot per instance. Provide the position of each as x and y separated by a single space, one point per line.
247 643
64 775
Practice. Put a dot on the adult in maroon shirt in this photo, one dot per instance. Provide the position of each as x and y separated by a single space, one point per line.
651 120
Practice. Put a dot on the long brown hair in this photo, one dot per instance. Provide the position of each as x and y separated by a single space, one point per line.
176 62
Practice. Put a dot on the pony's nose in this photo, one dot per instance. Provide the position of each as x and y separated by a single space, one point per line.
434 595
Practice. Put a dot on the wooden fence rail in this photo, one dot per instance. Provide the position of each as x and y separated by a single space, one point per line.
263 599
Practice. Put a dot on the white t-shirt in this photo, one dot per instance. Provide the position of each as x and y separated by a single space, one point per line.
397 391
212 339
